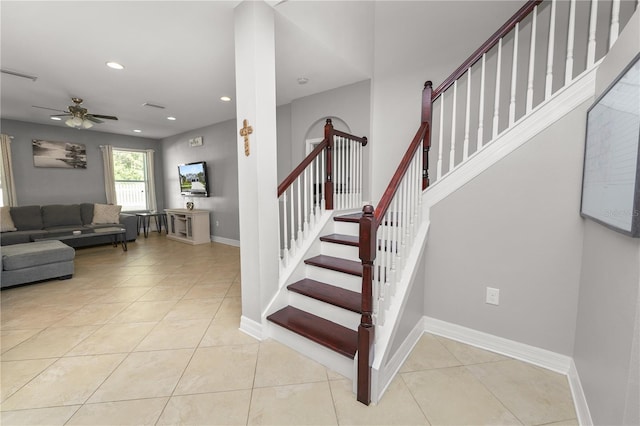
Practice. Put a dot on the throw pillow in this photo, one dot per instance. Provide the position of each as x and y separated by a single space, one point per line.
6 223
61 215
106 213
27 218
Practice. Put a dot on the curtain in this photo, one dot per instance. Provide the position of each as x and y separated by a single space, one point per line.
6 168
151 182
109 179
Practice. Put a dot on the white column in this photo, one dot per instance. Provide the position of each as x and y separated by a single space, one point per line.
257 172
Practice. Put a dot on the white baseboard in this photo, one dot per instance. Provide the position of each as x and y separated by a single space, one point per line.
227 241
579 398
251 327
536 356
559 363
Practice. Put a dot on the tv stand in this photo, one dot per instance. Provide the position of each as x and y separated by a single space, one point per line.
188 226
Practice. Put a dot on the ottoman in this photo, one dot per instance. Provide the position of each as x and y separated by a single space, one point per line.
41 260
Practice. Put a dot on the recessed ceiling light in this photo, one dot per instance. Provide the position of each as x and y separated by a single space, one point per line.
225 99
115 65
56 118
137 131
171 118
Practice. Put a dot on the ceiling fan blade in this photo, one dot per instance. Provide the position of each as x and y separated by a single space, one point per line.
105 117
62 115
51 109
91 117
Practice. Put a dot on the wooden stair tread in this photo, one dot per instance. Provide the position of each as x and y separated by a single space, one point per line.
328 293
351 217
322 331
347 240
336 264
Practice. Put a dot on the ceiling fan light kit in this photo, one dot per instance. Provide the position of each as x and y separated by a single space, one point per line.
80 118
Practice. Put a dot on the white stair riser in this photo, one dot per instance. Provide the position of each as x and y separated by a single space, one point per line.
347 228
325 310
335 278
327 357
340 250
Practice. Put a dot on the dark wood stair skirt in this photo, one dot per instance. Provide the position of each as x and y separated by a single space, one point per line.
322 331
350 267
336 296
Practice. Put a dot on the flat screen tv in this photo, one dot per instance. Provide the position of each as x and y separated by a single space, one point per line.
193 179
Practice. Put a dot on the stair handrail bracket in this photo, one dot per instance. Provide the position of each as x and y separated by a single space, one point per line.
329 178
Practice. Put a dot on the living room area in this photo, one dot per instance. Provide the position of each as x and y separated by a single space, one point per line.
166 330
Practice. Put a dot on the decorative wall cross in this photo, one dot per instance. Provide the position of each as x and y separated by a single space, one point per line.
245 132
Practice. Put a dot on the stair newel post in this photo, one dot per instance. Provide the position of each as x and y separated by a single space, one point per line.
367 249
427 105
328 185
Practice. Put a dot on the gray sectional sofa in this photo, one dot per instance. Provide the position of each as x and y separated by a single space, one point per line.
37 221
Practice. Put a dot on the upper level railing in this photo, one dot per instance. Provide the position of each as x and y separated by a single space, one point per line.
541 49
330 177
538 29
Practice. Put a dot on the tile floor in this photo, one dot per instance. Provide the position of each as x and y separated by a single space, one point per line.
151 336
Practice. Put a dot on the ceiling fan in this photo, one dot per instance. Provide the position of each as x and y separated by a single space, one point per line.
79 117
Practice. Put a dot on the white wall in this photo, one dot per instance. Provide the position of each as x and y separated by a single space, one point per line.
350 104
219 151
515 227
605 354
399 79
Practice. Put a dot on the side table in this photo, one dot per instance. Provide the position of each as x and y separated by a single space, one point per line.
144 220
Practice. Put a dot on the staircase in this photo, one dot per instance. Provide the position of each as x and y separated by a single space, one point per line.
341 280
332 281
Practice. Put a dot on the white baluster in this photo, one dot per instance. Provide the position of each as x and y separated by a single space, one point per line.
305 228
481 106
285 226
393 240
299 208
360 172
467 114
568 73
340 186
532 57
352 170
452 150
514 74
405 224
496 104
323 174
615 22
317 189
292 245
593 24
440 137
548 87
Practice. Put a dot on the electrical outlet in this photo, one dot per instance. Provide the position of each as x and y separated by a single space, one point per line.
493 296
217 223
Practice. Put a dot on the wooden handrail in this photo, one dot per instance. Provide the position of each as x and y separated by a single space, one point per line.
327 143
392 188
363 140
286 183
486 46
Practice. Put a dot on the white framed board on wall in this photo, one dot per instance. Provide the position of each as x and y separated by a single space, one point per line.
611 176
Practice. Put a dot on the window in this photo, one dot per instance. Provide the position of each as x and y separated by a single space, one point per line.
131 173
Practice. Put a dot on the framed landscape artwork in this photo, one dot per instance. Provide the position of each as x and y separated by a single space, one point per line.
67 155
611 180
